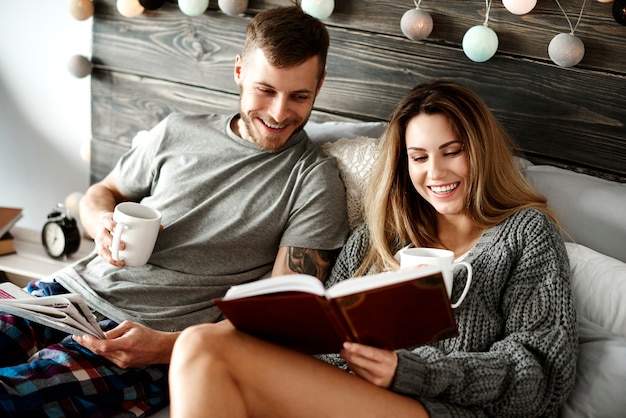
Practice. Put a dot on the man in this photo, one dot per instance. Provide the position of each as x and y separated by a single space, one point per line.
242 197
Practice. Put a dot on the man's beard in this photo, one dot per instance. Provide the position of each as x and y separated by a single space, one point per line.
267 142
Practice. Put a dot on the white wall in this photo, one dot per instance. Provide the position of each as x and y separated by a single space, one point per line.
45 112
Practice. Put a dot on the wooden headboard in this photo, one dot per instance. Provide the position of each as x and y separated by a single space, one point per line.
575 117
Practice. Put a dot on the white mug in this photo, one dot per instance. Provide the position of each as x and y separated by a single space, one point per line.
444 259
138 226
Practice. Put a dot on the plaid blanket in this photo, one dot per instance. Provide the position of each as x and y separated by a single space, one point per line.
44 373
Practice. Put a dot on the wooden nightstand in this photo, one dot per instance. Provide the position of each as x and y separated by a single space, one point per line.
31 262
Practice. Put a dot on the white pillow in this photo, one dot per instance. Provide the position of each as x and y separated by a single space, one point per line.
600 375
355 159
599 287
590 209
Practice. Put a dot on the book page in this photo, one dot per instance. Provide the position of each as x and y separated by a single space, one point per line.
288 283
373 281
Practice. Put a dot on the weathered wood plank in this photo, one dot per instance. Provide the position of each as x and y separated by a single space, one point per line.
123 104
104 155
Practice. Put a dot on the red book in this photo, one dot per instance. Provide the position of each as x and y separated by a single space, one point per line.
392 310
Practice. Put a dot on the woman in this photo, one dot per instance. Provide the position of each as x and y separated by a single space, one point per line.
446 178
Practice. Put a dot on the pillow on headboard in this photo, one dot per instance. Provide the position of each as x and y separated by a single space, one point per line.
355 159
590 209
599 286
600 375
321 132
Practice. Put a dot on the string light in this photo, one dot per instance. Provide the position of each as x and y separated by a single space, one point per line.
81 9
79 66
619 11
129 8
566 49
416 24
480 43
519 7
232 7
320 9
151 4
193 7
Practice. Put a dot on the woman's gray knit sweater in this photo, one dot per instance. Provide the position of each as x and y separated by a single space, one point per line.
516 352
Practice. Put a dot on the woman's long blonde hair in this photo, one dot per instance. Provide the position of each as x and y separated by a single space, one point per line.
397 215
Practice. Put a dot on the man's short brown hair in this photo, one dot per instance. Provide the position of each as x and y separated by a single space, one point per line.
288 37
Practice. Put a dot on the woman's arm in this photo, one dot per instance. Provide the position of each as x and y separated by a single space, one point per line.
528 367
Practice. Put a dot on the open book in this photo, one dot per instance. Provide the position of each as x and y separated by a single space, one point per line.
67 312
391 310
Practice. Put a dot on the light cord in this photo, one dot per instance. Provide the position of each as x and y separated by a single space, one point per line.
488 7
417 3
566 17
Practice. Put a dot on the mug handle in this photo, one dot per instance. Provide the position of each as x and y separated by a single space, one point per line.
467 282
117 237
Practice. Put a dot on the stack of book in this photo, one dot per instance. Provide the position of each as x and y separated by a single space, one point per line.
8 217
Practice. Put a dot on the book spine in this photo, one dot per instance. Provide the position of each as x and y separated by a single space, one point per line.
340 320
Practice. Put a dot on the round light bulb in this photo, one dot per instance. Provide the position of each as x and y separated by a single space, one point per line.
480 43
519 7
151 4
233 7
81 9
129 8
619 11
320 9
193 7
566 50
416 24
79 66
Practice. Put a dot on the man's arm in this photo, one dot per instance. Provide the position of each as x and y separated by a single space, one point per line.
99 199
96 215
291 260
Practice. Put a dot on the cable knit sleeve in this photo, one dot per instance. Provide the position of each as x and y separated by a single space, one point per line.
516 352
344 268
350 257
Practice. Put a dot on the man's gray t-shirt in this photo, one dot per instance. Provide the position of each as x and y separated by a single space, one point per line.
227 206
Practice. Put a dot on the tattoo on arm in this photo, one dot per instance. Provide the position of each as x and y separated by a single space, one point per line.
314 262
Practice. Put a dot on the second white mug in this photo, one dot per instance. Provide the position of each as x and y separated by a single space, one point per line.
444 259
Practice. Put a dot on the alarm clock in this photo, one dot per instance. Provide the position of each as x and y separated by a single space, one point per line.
60 234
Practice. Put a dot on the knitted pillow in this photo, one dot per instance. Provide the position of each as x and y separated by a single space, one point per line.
355 158
320 132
